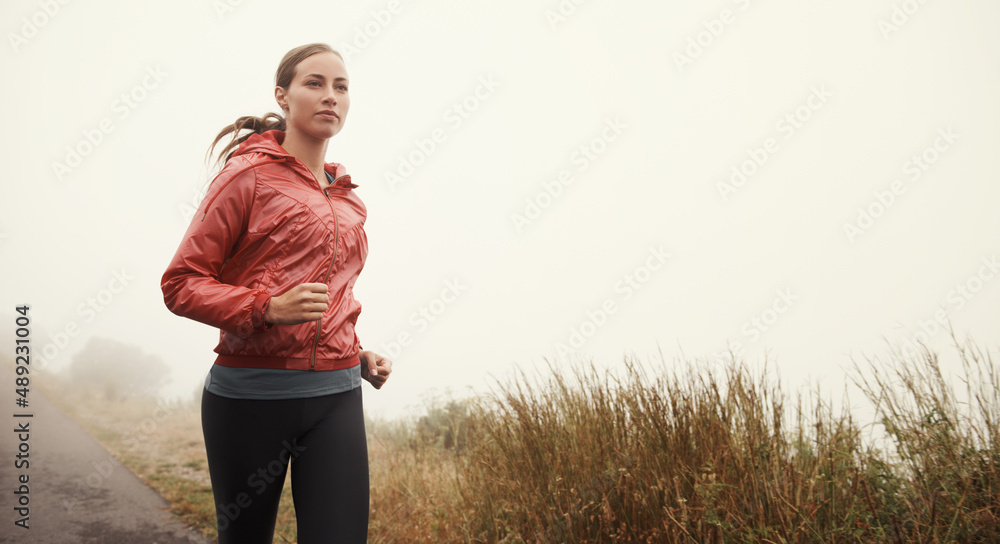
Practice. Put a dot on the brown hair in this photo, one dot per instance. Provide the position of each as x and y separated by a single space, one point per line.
270 121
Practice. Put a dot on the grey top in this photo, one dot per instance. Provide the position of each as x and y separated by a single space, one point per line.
277 383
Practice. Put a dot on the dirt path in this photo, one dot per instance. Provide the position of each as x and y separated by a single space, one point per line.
78 492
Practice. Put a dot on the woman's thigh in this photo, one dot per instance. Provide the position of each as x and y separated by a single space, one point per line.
330 472
249 444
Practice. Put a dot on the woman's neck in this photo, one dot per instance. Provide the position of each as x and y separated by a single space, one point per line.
310 151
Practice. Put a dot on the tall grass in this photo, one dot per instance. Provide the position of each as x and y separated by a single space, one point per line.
945 444
692 455
677 457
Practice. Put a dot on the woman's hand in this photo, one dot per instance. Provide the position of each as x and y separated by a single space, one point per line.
375 368
303 303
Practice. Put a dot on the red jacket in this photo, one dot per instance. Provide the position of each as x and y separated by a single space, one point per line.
264 227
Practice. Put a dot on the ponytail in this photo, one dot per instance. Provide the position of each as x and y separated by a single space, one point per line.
256 125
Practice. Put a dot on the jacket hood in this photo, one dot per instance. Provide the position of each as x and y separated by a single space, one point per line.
265 147
268 144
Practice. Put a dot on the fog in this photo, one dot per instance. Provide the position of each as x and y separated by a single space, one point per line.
558 181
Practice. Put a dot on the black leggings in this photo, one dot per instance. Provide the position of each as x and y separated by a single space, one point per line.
250 444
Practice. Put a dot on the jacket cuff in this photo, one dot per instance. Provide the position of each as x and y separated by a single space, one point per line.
260 305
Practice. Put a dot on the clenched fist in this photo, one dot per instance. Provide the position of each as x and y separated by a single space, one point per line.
375 368
303 303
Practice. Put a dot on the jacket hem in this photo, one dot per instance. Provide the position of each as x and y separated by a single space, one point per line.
289 363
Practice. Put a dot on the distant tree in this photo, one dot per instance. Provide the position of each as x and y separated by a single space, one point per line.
120 369
445 426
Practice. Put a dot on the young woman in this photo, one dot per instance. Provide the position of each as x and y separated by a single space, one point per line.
270 258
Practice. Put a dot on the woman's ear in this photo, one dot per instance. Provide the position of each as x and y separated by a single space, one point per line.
279 97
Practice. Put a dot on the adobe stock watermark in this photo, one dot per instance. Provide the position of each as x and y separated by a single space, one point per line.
561 12
786 126
582 158
702 40
624 289
900 15
956 299
121 108
454 117
88 486
87 311
422 317
188 209
365 33
913 169
34 23
258 481
759 323
225 7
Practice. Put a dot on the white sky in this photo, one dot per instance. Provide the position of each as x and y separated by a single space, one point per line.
869 97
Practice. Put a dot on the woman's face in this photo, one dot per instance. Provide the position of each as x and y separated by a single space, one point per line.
316 101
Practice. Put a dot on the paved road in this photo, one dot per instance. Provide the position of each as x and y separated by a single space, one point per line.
78 492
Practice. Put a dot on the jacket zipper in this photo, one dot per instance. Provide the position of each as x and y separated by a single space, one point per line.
336 242
336 234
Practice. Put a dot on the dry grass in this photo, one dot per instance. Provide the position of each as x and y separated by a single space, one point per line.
685 455
414 492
